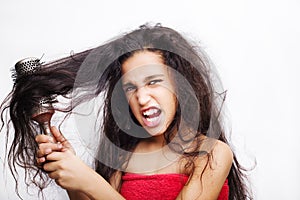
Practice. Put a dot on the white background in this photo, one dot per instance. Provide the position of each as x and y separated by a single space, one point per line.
255 45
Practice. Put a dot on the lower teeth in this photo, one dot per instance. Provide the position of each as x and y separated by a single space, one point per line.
151 119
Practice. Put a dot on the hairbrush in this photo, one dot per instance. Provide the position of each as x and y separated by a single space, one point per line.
42 113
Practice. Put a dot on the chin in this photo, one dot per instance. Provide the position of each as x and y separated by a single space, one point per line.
158 131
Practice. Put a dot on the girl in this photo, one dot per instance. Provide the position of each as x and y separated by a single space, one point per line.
162 130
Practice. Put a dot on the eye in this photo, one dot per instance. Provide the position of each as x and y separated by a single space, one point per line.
129 88
153 82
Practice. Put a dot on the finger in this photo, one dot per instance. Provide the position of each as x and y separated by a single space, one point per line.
47 148
40 161
43 153
51 166
58 135
56 156
54 175
60 138
41 138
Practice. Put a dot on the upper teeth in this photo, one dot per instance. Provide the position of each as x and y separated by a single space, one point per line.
151 119
150 112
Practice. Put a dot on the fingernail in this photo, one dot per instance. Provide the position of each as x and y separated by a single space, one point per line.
47 151
59 145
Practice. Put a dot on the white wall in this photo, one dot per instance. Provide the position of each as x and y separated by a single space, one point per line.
254 44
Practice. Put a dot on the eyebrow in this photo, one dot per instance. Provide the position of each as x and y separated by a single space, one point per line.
148 78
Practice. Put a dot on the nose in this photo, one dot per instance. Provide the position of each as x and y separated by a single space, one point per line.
143 96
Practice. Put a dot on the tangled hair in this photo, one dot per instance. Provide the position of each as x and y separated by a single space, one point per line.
89 73
56 78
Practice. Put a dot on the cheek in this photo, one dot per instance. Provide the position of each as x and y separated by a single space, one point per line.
133 106
175 105
171 104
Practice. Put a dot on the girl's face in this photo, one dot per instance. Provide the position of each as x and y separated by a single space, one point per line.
150 91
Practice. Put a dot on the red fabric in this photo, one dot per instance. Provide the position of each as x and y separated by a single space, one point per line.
224 194
158 187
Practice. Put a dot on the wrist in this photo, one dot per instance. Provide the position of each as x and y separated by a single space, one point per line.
88 179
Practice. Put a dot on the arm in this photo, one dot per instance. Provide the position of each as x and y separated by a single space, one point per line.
213 174
75 195
70 172
73 175
47 145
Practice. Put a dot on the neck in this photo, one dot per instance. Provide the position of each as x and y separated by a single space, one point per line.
151 144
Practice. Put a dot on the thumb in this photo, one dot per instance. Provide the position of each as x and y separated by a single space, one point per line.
61 139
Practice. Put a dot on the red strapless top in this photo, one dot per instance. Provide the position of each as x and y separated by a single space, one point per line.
158 186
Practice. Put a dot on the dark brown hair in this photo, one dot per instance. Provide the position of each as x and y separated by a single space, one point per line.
99 70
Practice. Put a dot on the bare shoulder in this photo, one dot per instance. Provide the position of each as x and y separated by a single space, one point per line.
222 152
210 172
217 149
219 157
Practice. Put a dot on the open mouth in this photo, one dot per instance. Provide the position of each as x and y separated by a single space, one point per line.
151 116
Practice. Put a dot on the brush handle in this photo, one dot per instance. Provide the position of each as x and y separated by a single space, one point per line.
46 128
43 117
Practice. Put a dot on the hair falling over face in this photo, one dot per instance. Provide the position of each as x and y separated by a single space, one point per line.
98 71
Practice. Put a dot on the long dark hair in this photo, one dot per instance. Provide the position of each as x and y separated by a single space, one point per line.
98 71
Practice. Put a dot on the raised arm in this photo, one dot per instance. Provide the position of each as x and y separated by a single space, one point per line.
58 159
